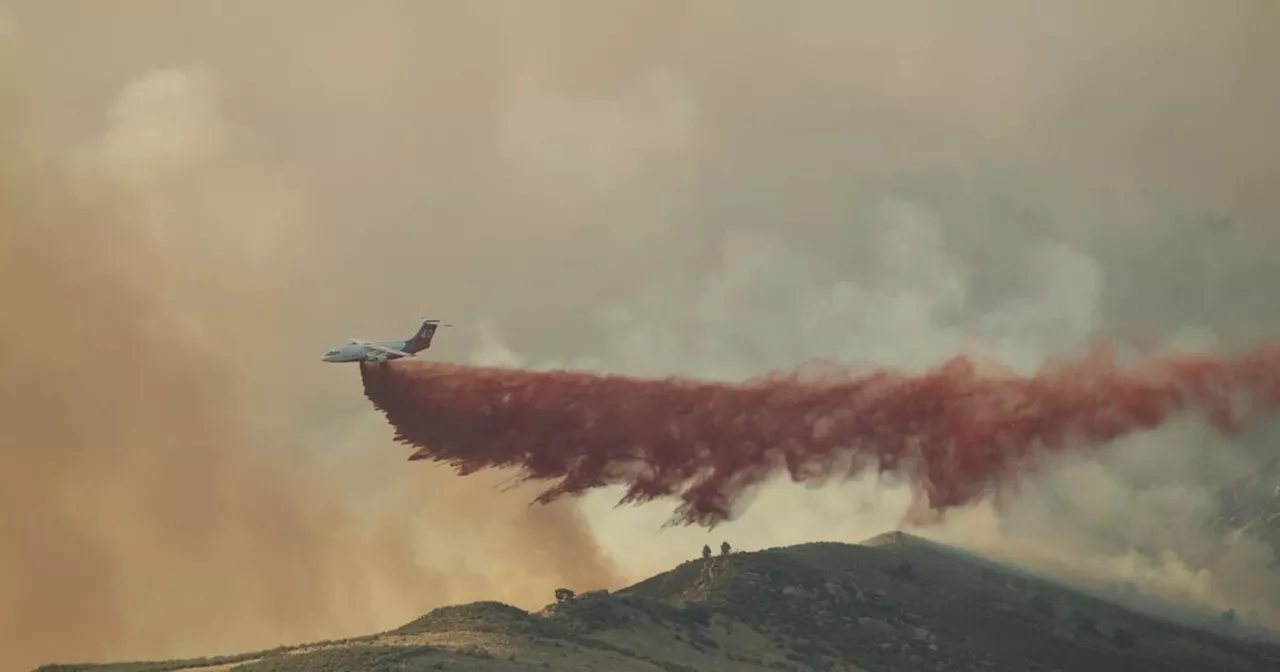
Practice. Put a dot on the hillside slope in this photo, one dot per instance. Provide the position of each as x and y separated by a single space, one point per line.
895 603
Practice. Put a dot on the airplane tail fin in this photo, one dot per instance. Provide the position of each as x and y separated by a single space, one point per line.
422 339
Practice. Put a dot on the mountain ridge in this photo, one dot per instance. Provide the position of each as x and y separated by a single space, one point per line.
896 602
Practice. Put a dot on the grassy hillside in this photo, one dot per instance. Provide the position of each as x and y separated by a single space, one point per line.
895 603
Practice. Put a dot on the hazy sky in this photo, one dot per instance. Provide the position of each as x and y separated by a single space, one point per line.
199 198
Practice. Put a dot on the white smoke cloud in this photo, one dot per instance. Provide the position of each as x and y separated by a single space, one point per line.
164 125
1125 512
568 172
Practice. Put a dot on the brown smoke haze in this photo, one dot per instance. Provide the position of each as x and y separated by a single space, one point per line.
155 498
162 492
197 199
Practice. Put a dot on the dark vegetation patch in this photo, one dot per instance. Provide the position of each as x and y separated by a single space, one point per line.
486 617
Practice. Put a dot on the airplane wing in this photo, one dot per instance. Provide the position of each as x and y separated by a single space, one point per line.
381 348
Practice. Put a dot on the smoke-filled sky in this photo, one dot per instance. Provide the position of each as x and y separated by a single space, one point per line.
199 198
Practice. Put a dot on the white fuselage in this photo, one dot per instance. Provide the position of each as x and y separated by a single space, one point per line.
355 352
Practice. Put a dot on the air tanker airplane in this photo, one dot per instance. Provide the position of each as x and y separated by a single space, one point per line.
357 350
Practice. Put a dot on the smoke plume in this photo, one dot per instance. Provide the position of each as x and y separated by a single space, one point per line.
197 199
153 410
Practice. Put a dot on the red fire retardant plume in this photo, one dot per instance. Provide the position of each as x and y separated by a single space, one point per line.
956 433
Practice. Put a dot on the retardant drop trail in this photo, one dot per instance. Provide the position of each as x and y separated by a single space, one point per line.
957 432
